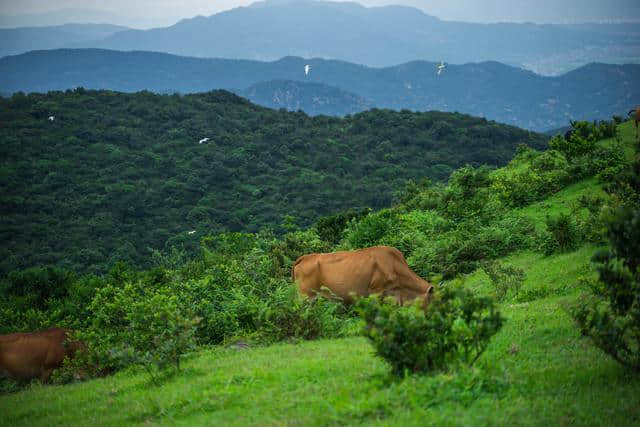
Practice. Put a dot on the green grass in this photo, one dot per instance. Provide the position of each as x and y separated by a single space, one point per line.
538 370
561 202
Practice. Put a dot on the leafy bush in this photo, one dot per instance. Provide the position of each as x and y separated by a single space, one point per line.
330 228
289 315
140 324
505 278
462 249
561 234
455 329
369 230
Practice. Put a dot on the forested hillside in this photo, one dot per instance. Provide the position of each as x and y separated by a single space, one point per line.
91 177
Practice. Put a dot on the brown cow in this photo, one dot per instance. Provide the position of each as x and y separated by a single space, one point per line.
24 356
376 270
636 118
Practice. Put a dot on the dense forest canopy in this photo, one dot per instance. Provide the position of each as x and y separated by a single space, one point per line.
92 177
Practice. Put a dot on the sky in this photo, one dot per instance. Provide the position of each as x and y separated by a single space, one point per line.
153 13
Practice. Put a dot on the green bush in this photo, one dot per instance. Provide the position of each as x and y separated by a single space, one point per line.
369 230
505 278
462 249
455 329
561 234
330 228
140 324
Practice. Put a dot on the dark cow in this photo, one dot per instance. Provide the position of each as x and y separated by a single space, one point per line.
24 356
377 270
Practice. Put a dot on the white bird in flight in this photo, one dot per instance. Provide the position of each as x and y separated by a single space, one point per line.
441 67
307 68
203 140
52 118
191 232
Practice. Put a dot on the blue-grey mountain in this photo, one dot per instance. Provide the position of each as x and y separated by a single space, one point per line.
19 40
490 89
380 36
374 36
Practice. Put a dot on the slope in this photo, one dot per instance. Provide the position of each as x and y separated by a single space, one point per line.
538 370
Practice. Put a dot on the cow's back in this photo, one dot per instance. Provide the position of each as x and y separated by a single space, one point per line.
25 356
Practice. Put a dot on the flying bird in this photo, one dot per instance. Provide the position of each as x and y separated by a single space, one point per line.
441 67
191 232
52 118
203 140
307 68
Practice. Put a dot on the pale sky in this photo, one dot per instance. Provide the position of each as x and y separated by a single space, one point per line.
147 13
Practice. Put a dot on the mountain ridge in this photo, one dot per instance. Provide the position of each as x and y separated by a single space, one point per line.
490 89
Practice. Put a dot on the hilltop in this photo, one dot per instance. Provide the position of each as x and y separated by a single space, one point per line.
489 89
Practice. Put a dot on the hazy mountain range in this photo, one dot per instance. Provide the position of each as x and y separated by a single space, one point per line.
375 36
19 40
489 89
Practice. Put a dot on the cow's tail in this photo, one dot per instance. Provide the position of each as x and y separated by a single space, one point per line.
293 268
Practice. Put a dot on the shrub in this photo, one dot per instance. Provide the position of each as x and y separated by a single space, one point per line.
462 249
330 228
561 234
140 324
288 315
505 278
369 230
455 329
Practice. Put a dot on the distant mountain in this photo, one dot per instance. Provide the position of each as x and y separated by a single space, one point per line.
378 36
19 40
66 16
312 98
490 89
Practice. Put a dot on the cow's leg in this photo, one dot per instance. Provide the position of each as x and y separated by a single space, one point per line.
46 373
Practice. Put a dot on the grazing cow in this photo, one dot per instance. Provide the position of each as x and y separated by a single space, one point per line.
24 356
376 270
636 118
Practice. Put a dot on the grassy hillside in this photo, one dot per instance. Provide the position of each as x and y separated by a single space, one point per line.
538 370
116 174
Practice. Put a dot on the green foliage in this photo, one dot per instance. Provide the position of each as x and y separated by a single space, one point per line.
455 329
370 230
505 278
614 324
117 176
139 323
330 228
561 234
462 249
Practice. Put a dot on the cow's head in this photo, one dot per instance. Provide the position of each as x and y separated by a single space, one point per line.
428 296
